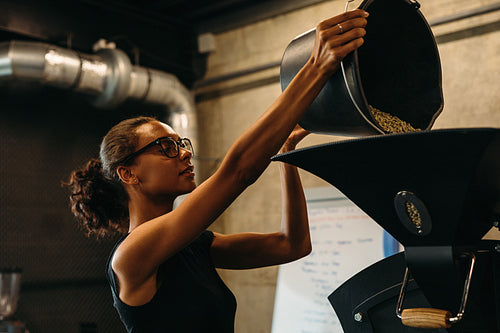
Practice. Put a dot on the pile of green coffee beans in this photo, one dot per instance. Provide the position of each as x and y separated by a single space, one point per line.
390 123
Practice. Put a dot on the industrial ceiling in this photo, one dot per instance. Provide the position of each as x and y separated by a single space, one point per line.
160 34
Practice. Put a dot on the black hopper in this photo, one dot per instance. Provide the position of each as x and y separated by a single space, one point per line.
438 193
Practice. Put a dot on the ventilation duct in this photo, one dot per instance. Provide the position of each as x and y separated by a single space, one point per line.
107 77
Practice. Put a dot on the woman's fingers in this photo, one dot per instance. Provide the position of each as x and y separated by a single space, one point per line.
347 48
334 38
338 36
342 18
355 23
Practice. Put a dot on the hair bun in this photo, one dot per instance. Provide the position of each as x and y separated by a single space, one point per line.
95 201
94 166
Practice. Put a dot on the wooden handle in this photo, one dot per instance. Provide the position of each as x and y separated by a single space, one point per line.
426 318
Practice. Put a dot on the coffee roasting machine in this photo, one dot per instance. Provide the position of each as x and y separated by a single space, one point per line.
436 191
438 194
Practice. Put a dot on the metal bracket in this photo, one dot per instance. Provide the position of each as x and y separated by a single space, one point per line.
444 318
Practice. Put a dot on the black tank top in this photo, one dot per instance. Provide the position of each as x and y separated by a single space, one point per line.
191 298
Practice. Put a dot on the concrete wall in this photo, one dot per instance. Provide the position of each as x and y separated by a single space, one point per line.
470 56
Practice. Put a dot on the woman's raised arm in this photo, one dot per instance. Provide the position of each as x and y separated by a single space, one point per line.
151 243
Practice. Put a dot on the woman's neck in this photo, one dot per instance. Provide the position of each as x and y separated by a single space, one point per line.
142 211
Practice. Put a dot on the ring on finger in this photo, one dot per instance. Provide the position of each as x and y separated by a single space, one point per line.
340 27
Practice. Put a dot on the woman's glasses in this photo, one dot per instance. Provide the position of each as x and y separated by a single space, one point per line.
169 147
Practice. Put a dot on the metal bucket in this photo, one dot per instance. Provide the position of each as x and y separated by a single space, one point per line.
10 284
396 71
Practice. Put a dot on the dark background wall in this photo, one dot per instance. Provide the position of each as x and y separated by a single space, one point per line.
45 133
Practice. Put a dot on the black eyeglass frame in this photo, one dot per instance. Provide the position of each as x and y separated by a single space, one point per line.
178 144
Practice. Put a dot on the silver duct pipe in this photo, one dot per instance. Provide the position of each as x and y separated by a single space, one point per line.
107 77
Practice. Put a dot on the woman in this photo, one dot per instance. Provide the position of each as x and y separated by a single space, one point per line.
162 271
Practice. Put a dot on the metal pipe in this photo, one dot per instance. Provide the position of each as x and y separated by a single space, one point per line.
107 77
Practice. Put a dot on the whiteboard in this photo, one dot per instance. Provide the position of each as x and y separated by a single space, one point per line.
344 241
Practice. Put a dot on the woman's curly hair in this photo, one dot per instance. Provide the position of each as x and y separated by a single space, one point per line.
98 198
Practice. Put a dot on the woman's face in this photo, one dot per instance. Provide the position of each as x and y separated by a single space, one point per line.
161 177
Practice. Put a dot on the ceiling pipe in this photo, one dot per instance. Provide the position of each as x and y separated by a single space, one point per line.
107 77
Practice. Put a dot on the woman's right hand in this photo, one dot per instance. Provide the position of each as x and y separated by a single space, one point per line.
336 37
